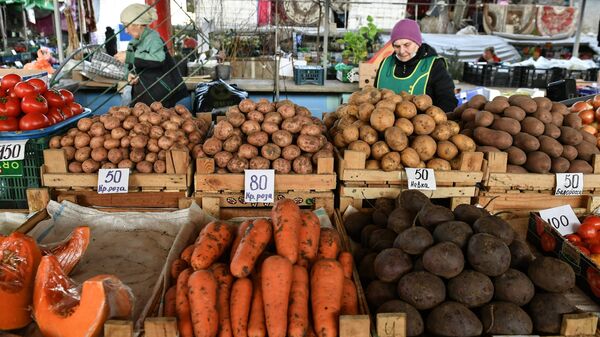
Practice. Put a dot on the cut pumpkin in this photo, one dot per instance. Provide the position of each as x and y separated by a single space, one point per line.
62 310
19 259
71 251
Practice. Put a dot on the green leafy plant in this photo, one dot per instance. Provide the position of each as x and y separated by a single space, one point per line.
356 43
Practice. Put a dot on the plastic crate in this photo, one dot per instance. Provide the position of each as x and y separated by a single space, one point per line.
309 75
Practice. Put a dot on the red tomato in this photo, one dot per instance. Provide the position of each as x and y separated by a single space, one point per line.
10 106
9 81
33 121
587 116
55 114
23 89
8 123
54 98
67 95
593 279
34 103
593 241
595 249
573 238
39 85
548 242
594 220
587 231
11 93
539 226
583 249
75 108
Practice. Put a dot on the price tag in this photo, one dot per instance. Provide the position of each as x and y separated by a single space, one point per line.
259 185
569 184
562 218
113 181
13 168
420 179
12 150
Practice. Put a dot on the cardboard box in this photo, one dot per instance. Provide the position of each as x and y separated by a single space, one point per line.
366 74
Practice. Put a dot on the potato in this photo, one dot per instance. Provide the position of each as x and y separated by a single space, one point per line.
144 167
422 102
222 158
391 263
75 167
425 146
580 166
545 116
446 150
211 146
471 288
291 152
414 240
379 292
442 132
223 130
515 169
395 138
405 125
573 120
339 141
495 226
143 128
551 130
457 232
315 130
97 129
439 164
453 319
249 127
410 157
560 107
551 274
524 102
469 115
552 147
504 318
560 165
421 289
507 124
360 146
150 157
67 141
538 162
516 156
484 118
437 114
302 165
569 152
282 138
444 259
496 106
423 124
112 144
547 311
139 142
270 151
365 110
275 118
513 286
586 150
247 151
382 119
258 138
526 142
515 112
282 166
259 163
350 133
82 154
247 105
90 166
232 144
520 255
379 149
237 164
477 102
255 116
85 124
488 254
414 321
137 155
532 126
368 134
99 154
391 161
384 104
405 109
294 124
115 156
557 118
463 143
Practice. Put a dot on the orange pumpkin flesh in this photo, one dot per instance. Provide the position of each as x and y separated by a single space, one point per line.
61 310
19 259
70 253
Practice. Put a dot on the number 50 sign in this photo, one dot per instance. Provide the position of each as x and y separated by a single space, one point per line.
113 181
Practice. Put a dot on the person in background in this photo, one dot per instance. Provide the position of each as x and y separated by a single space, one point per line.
489 56
152 71
111 41
416 68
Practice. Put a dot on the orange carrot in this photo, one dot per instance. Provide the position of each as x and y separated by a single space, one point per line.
224 281
347 262
287 220
170 309
202 292
308 236
276 282
184 317
241 299
329 244
349 298
326 289
177 266
238 237
253 243
298 308
256 322
186 254
211 244
311 332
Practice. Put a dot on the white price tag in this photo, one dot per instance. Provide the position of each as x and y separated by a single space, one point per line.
259 186
12 150
113 181
562 218
420 179
569 184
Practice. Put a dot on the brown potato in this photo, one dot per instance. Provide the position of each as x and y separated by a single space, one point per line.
282 166
365 110
310 144
139 142
545 116
425 146
75 167
516 156
580 166
385 104
258 139
323 153
137 155
271 151
406 109
437 114
382 119
112 144
526 142
446 150
552 147
496 106
560 108
222 158
236 119
442 132
552 130
395 138
249 127
294 124
81 140
391 161
570 136
223 130
99 154
523 102
560 165
439 164
484 118
247 151
150 157
55 142
144 167
313 130
422 102
82 154
509 125
67 141
237 164
90 166
118 133
368 134
259 163
499 139
232 144
247 105
538 162
350 133
143 128
291 152
84 124
282 138
97 129
360 146
586 150
469 115
477 102
405 125
265 107
463 143
572 120
130 122
379 149
515 112
302 165
410 157
569 152
211 146
159 166
269 127
423 124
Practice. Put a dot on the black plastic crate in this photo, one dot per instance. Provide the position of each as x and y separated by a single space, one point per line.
479 73
309 75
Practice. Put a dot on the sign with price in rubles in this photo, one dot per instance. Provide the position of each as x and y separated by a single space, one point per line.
562 218
569 184
12 150
113 181
420 179
259 186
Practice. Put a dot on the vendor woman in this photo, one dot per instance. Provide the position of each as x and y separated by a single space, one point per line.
416 68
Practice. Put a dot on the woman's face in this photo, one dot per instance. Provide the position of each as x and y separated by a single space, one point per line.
135 30
405 49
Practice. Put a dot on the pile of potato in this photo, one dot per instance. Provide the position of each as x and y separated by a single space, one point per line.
455 273
135 138
539 135
262 135
396 131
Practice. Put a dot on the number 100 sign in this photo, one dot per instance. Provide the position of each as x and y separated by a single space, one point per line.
113 181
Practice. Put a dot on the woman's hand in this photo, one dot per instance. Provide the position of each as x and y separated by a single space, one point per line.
132 79
120 56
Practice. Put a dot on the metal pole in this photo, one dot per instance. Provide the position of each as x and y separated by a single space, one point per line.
24 23
81 15
3 29
58 32
578 33
325 57
277 55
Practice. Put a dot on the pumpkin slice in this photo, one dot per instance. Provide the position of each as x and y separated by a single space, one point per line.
19 259
61 309
70 252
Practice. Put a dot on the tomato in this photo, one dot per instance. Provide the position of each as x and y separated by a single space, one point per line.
587 231
10 106
595 249
584 250
39 85
573 238
548 242
55 114
9 81
54 98
587 116
593 280
11 93
539 226
594 220
75 108
593 241
67 95
33 121
8 123
34 103
596 101
23 89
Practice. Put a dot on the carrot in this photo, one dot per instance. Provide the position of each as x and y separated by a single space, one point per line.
298 308
347 262
224 282
326 289
211 244
308 236
311 332
256 322
202 292
276 282
182 305
287 220
186 254
253 243
349 298
241 299
238 237
170 309
329 244
177 266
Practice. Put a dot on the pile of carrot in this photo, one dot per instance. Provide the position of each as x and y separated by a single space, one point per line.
284 276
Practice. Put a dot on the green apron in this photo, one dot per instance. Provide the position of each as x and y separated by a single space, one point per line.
414 84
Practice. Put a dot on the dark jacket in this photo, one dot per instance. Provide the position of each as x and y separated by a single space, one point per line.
440 86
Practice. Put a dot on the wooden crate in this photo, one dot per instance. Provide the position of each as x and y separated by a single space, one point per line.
358 183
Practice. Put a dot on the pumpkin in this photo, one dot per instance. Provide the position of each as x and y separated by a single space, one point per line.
71 251
61 310
19 259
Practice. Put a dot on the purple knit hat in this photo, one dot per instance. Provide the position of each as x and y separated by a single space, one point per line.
407 29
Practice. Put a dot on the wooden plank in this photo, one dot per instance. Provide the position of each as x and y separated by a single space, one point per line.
161 327
354 326
55 161
205 166
211 205
30 223
123 200
399 177
393 192
391 325
579 324
114 328
283 182
180 161
471 161
325 166
37 198
90 180
497 162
